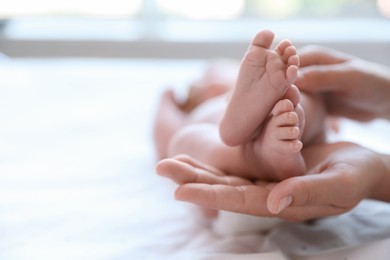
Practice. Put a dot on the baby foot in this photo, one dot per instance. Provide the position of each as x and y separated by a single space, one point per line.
278 144
263 79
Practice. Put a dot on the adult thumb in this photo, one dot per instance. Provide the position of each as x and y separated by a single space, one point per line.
304 191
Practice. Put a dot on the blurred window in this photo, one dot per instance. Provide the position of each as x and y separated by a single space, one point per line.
275 9
197 9
95 8
196 20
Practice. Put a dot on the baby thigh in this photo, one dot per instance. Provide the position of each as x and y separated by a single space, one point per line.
210 111
202 142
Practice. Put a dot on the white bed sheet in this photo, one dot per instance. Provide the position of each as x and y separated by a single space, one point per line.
77 174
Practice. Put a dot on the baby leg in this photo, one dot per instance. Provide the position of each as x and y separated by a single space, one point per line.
201 141
264 77
206 104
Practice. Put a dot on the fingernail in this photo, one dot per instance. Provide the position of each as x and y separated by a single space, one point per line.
284 203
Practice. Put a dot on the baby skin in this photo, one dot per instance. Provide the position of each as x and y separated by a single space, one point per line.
257 128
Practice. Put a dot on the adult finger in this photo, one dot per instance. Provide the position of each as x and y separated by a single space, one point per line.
182 172
332 187
316 55
198 164
246 199
322 78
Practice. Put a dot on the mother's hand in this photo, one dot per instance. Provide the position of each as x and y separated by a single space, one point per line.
355 88
341 175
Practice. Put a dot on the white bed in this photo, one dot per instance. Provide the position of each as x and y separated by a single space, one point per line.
77 174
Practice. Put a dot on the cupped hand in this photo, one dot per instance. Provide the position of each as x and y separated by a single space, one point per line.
341 175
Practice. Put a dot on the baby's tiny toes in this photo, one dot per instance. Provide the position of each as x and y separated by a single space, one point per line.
287 133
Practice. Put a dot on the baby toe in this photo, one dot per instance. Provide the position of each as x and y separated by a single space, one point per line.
287 133
287 119
288 52
282 106
292 73
282 46
293 60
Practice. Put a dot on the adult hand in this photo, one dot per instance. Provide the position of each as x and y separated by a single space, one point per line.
341 175
353 87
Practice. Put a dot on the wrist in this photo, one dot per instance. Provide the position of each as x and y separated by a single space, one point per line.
382 76
382 191
386 95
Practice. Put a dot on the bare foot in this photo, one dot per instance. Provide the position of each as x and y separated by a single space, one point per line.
265 76
276 149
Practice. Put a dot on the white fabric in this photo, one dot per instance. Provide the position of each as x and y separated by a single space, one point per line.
77 174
